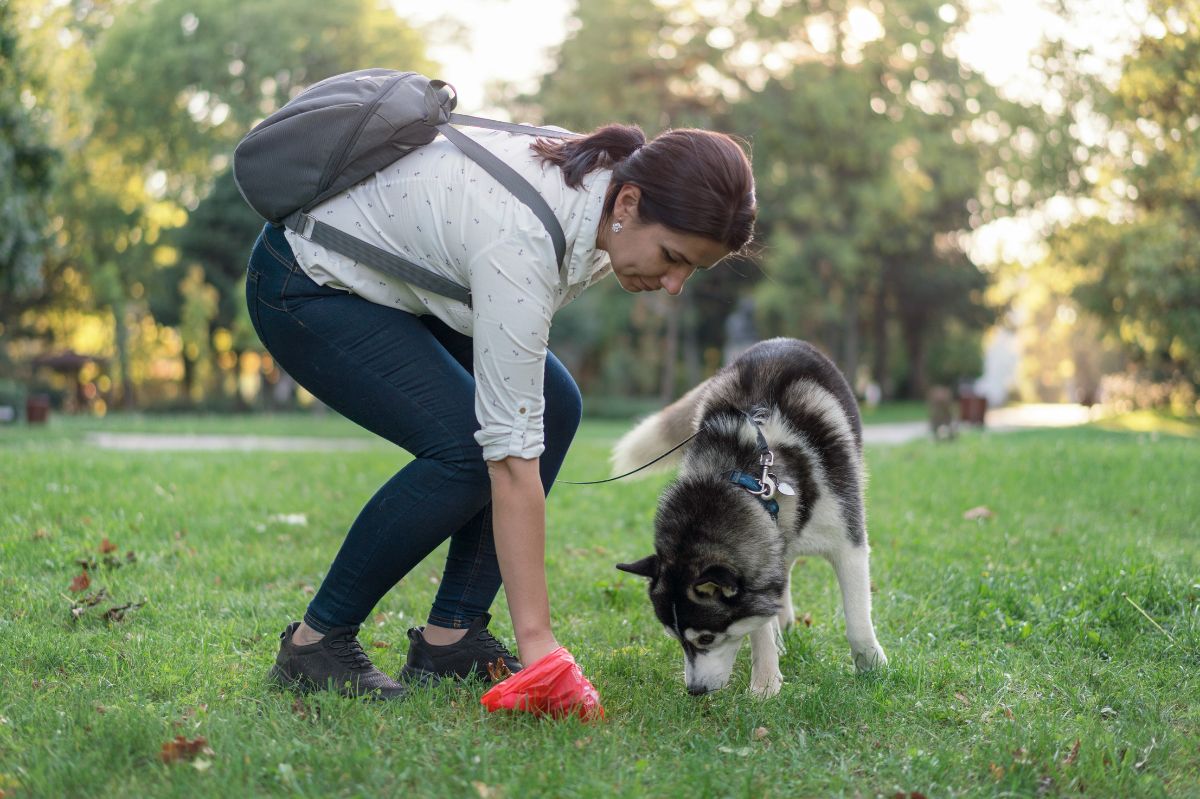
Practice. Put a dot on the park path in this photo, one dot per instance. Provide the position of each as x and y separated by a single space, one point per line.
999 420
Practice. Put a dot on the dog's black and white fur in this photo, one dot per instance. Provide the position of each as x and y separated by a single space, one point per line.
724 555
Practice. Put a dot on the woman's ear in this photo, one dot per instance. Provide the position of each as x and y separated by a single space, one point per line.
625 208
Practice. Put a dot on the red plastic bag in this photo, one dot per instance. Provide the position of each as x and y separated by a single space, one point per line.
553 686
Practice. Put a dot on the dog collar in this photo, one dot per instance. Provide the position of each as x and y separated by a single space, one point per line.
752 484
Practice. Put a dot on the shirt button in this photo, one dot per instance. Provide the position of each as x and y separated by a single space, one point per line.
522 411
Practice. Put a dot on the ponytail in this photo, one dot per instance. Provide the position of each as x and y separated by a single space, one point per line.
603 148
693 181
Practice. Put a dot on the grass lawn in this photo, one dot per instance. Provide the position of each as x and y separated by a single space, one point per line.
1020 665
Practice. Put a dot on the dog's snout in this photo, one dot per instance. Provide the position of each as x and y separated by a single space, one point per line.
697 690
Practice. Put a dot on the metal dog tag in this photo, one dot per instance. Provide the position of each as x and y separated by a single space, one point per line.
785 489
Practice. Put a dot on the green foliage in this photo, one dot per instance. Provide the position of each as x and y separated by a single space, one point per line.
26 164
1142 262
219 66
1020 665
868 154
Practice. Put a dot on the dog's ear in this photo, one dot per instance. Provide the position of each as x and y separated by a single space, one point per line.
646 567
714 580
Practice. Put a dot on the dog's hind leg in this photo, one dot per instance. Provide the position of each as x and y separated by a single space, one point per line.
853 573
765 677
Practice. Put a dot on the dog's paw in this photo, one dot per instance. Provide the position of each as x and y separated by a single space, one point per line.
869 659
766 686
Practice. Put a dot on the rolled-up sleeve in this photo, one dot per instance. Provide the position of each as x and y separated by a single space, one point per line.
513 287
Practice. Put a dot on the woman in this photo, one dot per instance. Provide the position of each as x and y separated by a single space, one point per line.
473 393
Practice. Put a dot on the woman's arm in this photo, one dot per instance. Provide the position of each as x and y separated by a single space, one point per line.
519 526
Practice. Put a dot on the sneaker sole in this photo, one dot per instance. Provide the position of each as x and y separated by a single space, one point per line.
423 677
282 679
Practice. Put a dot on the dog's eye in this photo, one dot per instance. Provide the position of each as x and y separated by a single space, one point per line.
705 639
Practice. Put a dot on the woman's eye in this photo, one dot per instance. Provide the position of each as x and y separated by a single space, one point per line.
668 257
705 639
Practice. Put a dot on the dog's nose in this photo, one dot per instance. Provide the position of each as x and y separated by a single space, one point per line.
697 690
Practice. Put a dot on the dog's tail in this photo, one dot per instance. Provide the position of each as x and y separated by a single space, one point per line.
656 434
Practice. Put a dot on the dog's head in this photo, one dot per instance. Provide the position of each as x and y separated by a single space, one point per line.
716 575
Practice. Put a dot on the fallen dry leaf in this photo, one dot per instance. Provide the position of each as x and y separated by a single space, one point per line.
760 733
981 512
807 619
381 644
483 789
118 613
182 749
1070 759
499 670
966 702
997 772
91 600
81 582
107 546
40 533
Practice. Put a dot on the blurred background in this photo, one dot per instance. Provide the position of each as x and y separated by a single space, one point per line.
997 199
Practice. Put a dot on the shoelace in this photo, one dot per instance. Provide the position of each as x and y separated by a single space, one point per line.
349 651
491 643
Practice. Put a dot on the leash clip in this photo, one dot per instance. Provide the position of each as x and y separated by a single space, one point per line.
766 461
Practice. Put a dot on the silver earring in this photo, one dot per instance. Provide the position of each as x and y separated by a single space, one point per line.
617 227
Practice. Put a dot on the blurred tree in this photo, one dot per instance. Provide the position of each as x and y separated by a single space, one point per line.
26 165
179 82
1141 258
638 62
146 100
877 148
874 149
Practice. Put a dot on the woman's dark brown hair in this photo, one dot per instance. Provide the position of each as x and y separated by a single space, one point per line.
693 181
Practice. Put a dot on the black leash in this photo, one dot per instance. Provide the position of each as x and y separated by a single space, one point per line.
756 417
635 471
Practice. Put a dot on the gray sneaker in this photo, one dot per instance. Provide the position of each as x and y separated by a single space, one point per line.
337 663
477 654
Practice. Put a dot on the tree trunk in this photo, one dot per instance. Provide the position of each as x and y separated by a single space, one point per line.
850 338
666 389
693 360
125 388
880 356
914 340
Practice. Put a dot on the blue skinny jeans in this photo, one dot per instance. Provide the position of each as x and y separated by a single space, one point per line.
408 379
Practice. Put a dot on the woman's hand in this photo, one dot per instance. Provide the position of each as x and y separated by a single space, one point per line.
519 527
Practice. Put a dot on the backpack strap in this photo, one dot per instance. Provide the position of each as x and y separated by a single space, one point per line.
364 252
512 127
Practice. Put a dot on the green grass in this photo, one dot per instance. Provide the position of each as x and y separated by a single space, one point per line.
1010 638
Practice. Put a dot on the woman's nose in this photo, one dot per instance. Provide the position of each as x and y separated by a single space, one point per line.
673 280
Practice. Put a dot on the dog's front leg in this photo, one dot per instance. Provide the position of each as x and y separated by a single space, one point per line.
853 574
765 677
787 614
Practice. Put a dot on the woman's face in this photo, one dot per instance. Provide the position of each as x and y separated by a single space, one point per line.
649 257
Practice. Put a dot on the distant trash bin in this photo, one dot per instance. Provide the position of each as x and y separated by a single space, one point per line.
972 408
37 408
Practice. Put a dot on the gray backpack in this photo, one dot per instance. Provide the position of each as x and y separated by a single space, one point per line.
346 128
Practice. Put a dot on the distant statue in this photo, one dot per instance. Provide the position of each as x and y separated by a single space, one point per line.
740 330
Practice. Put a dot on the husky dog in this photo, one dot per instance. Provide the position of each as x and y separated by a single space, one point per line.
774 472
